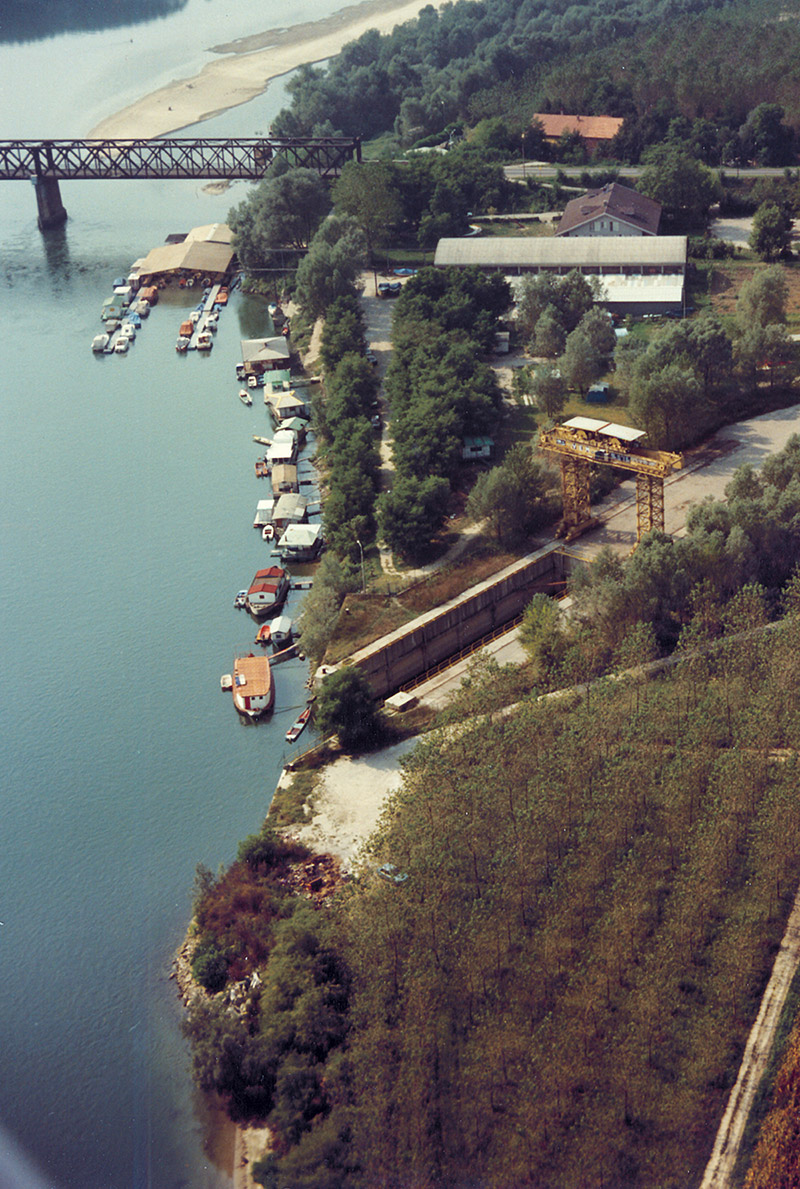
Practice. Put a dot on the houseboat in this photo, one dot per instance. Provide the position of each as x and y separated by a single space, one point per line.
253 690
267 590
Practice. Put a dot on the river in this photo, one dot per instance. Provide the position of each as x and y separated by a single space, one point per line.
127 495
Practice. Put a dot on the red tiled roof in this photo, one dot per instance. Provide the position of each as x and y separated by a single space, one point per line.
616 201
267 580
590 127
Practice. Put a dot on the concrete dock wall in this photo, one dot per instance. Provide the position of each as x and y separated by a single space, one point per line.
394 660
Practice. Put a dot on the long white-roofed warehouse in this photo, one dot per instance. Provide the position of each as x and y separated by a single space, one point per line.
637 274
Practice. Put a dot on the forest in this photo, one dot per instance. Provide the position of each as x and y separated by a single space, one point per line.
559 991
703 64
557 988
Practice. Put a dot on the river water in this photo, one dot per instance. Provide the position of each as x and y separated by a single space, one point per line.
127 494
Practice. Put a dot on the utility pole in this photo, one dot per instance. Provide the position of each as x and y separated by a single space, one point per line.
361 550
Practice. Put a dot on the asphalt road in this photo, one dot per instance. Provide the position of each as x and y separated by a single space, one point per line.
544 170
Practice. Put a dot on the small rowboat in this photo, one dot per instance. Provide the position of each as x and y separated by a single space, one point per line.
297 727
264 634
268 532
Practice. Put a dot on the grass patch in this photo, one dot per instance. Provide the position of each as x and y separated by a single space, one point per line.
362 619
293 805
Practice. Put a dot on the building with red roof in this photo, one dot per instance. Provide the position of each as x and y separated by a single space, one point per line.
597 132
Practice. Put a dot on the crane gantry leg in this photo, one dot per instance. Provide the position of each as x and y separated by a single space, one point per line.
577 514
649 504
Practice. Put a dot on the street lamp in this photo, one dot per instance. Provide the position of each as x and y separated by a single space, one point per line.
361 550
524 134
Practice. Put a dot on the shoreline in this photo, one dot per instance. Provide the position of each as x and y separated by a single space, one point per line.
248 67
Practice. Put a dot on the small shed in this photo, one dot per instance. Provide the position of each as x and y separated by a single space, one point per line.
298 427
477 448
265 355
284 477
289 405
264 509
281 452
290 508
301 542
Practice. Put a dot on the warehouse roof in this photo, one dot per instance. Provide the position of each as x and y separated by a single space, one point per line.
515 253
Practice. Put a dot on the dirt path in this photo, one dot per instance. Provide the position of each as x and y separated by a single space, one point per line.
754 1062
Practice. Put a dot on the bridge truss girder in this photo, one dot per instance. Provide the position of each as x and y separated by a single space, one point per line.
229 159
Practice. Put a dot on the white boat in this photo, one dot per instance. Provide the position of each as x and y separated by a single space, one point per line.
226 681
252 382
121 345
204 341
100 342
182 343
245 397
127 331
268 532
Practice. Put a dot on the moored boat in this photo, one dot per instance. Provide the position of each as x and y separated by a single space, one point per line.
267 590
264 633
204 341
121 345
100 342
182 344
245 397
299 725
253 689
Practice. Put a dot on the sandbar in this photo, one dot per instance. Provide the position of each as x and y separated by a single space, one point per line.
247 66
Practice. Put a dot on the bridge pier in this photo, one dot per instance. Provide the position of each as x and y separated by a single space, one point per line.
52 212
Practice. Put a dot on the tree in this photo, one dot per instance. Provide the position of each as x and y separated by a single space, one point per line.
771 232
683 185
513 497
410 514
346 707
667 405
283 210
550 390
580 363
596 324
764 138
762 299
330 267
365 193
550 337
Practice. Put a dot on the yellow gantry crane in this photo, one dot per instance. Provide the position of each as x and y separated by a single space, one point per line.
583 442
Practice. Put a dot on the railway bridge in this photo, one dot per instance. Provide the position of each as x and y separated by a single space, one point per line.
48 162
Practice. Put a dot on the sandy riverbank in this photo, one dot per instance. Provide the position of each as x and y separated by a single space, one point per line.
248 65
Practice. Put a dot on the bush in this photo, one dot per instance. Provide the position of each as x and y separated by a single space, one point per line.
346 707
210 965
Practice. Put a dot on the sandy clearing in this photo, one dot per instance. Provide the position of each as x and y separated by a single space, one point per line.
350 798
244 72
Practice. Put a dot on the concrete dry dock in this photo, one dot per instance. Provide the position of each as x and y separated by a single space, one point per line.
418 647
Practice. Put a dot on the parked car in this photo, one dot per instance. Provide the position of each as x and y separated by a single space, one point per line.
390 873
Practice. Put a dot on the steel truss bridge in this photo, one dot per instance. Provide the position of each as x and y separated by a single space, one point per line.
47 162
